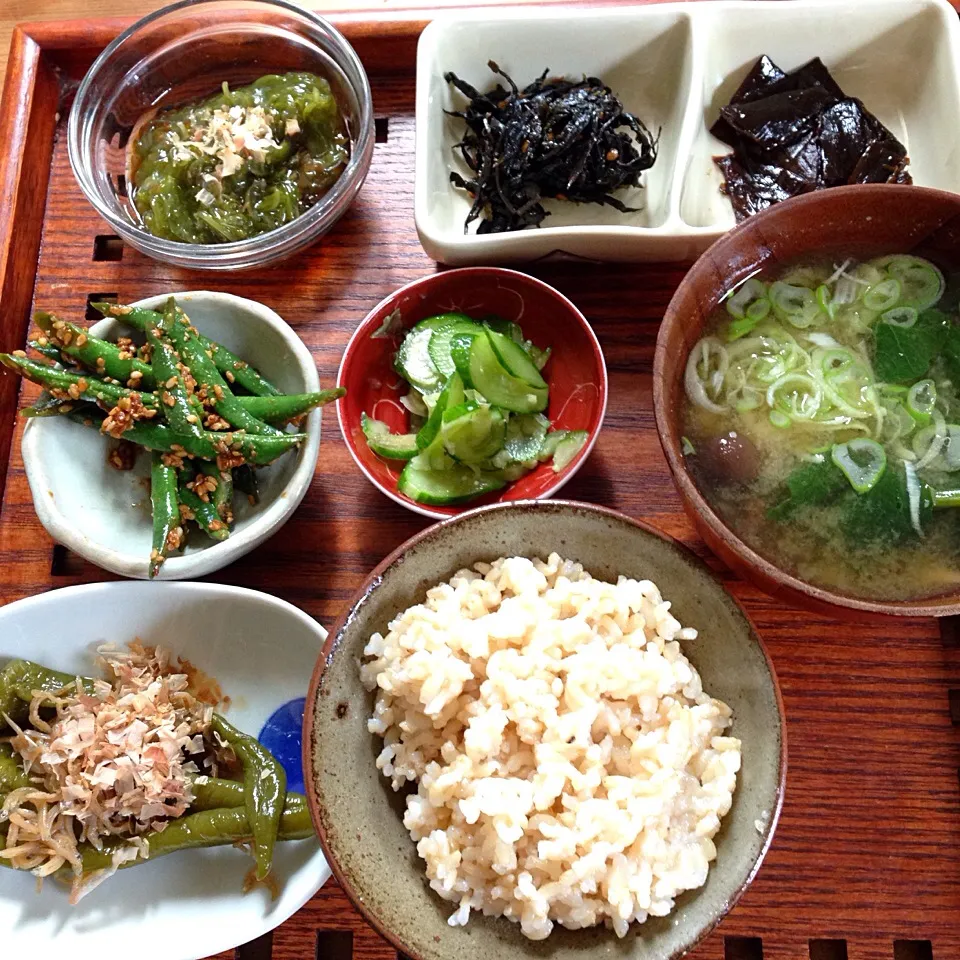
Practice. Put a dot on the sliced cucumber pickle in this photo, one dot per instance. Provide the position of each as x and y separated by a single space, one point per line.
450 396
440 320
445 487
472 432
478 386
568 448
524 436
516 361
413 361
498 385
441 343
392 446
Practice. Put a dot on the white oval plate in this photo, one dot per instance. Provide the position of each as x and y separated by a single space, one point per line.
185 905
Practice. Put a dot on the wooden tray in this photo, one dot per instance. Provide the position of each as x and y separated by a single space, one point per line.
866 862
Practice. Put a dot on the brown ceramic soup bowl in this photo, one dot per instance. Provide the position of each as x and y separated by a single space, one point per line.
857 221
359 817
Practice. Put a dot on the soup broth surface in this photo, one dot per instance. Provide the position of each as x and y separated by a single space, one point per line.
822 423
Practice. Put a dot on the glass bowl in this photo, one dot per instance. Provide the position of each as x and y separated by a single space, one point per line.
182 53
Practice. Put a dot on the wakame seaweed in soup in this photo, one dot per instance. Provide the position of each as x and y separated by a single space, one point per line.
239 163
822 423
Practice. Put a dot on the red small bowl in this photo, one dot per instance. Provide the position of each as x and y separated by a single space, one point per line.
576 372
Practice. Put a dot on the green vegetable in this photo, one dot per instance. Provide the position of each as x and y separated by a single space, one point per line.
568 448
180 406
222 494
904 317
451 395
747 295
205 828
921 282
210 385
392 446
861 460
903 354
86 386
20 678
166 512
950 353
441 340
883 515
478 387
48 350
227 363
100 356
157 436
794 305
204 512
499 386
882 296
471 432
524 436
921 401
12 774
182 190
265 790
445 487
245 480
413 361
810 484
515 360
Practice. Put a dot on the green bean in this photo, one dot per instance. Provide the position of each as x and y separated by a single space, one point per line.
210 384
48 350
248 378
275 410
47 405
158 436
204 512
222 494
166 512
182 413
87 386
205 828
286 407
100 356
265 789
12 774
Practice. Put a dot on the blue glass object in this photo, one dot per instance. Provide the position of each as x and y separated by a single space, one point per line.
282 736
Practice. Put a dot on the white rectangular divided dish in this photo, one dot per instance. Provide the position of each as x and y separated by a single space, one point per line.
674 66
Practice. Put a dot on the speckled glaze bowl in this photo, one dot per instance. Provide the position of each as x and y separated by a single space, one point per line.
358 816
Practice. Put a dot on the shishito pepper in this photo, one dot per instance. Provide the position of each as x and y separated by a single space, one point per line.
265 790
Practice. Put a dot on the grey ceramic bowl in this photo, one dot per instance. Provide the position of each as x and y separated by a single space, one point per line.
358 816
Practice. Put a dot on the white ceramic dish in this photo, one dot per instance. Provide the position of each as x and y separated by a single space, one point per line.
188 904
675 65
104 514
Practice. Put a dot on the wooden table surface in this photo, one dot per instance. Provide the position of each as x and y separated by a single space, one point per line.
866 862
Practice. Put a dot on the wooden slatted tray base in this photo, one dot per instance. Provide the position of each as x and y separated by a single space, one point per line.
866 861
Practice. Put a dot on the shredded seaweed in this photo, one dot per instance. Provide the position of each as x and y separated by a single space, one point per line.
554 138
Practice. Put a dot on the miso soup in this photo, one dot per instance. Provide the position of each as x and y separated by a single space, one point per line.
822 423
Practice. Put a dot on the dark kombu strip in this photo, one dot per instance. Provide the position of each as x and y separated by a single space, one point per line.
796 132
554 138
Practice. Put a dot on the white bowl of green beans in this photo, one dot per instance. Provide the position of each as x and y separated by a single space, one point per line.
106 515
